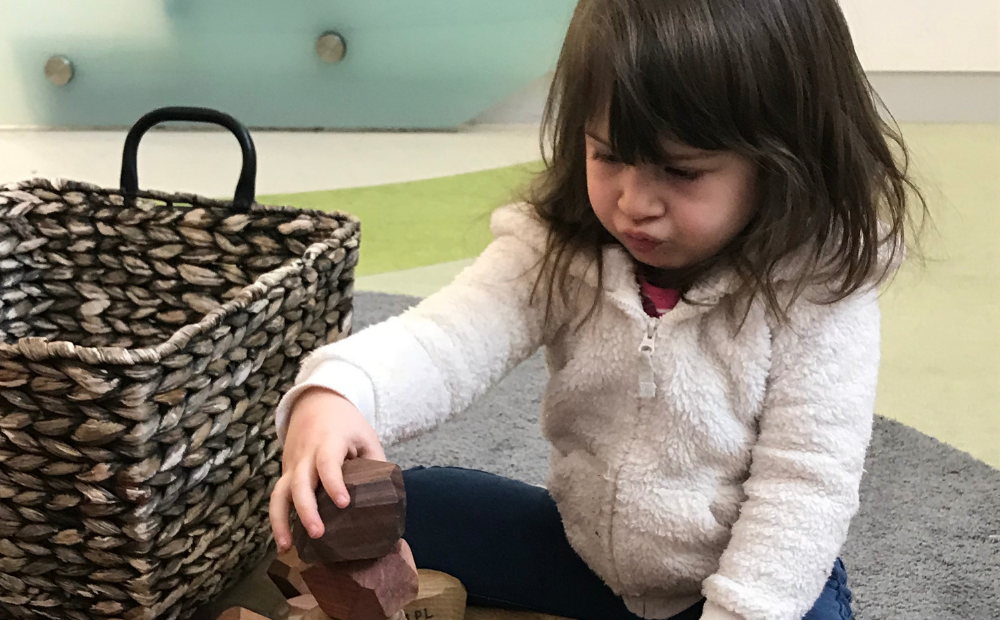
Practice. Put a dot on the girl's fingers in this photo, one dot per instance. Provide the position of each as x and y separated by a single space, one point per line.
371 449
279 508
330 463
303 482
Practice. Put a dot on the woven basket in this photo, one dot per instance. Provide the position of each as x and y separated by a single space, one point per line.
145 339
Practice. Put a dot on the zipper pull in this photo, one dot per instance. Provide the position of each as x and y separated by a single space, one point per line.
648 344
647 379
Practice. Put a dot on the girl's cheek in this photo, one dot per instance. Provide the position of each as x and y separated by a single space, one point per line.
700 225
601 193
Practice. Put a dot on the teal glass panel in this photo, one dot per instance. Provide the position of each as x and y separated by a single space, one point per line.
410 64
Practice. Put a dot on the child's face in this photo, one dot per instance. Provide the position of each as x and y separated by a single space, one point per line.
675 215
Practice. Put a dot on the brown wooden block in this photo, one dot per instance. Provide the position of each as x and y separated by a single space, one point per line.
371 524
286 573
441 596
239 613
365 589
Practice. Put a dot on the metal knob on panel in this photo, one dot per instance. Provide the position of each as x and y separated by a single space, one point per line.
331 47
59 70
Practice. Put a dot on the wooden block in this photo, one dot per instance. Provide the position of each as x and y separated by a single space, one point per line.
371 524
239 613
301 606
306 607
286 573
304 611
365 589
253 591
441 596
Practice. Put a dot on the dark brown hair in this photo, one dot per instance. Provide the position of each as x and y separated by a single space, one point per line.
777 81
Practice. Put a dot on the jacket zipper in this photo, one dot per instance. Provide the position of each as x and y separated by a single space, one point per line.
647 380
647 391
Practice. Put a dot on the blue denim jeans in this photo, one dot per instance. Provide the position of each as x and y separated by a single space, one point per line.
504 540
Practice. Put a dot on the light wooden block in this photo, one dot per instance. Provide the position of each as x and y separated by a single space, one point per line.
300 606
440 597
306 607
286 573
239 613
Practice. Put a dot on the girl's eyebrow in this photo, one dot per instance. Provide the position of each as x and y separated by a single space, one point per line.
671 156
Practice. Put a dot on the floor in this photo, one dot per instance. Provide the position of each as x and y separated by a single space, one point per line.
424 200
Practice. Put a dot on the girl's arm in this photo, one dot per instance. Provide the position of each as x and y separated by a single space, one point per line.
807 463
413 371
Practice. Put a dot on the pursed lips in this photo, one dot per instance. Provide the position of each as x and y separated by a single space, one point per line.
638 236
641 241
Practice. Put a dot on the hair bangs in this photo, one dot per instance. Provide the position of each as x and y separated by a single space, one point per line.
661 76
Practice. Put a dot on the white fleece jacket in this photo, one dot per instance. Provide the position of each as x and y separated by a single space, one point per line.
687 460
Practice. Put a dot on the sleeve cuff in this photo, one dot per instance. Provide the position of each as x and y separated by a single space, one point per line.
714 612
337 376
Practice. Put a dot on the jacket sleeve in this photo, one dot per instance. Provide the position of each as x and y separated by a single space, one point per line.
417 369
807 464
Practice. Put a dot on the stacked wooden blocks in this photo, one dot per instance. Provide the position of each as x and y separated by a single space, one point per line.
361 568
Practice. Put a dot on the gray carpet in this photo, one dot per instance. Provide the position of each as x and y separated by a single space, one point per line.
924 546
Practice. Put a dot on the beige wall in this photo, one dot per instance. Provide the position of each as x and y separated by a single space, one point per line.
926 35
934 61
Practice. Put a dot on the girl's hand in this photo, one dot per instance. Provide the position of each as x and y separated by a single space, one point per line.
324 430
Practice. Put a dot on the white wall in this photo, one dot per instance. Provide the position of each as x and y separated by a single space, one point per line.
926 35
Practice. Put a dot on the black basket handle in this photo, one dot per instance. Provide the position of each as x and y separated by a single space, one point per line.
245 187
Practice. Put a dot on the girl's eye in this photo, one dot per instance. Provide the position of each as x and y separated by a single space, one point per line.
683 174
606 158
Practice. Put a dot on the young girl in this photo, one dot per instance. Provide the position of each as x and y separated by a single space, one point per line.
699 260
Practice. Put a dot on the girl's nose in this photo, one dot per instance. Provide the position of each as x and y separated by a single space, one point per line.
639 199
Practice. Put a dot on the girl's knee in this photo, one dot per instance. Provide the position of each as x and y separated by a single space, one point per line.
835 601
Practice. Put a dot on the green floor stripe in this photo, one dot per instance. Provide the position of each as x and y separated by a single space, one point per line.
419 223
419 282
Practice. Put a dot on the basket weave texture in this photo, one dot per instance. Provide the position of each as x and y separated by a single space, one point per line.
144 345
